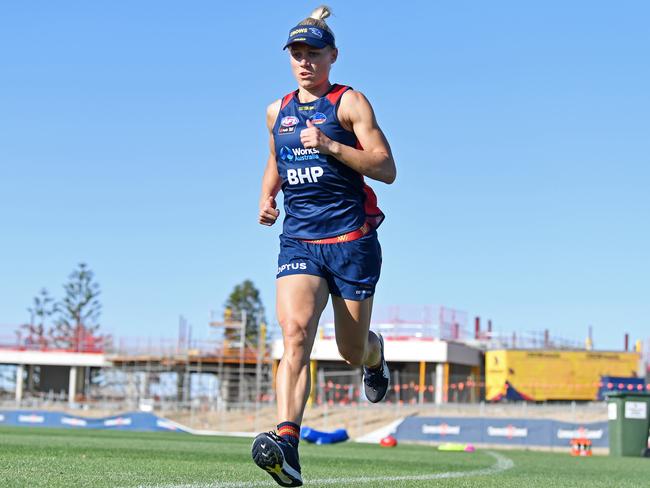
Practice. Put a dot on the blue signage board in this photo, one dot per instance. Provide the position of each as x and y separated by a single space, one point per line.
137 421
509 431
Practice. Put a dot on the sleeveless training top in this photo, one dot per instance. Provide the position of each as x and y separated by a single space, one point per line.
322 196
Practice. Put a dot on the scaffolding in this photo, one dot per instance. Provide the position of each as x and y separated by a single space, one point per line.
190 374
230 371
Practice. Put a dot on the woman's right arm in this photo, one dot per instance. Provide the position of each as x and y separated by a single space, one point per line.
271 181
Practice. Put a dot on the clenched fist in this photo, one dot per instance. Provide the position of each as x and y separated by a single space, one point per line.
268 212
313 138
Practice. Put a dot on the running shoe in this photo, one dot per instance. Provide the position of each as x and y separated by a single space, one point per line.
277 457
376 381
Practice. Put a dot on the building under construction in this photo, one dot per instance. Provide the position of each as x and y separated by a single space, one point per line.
435 356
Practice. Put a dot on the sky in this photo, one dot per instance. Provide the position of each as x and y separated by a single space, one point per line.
133 138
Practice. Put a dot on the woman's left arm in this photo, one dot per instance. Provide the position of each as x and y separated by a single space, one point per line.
375 160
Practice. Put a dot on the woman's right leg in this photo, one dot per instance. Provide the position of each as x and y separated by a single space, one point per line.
300 302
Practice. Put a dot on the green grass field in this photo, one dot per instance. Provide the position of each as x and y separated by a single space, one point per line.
38 457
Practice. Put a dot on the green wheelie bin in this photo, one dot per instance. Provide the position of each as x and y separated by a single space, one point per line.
629 423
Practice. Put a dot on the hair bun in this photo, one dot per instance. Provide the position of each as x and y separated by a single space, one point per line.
321 13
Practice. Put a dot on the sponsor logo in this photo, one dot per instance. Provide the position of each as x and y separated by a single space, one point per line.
363 292
292 267
289 121
578 433
298 154
300 30
31 419
509 431
318 118
117 421
442 429
286 130
166 425
306 107
286 154
316 32
304 175
73 421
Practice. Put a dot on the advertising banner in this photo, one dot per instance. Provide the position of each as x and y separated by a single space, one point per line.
137 421
522 432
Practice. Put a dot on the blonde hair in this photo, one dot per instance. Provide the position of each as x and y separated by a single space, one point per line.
317 19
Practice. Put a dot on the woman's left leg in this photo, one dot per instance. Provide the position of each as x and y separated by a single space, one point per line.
359 346
356 343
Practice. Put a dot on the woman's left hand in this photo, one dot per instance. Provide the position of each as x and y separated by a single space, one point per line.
313 138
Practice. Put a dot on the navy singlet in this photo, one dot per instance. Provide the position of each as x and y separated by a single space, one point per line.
322 196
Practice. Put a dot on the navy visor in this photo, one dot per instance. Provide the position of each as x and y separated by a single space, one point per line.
311 35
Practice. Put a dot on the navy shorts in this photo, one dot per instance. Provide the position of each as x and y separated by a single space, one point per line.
351 268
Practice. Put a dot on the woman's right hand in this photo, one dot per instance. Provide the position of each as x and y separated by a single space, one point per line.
268 212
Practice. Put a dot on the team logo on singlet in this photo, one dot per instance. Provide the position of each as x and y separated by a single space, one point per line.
288 125
318 118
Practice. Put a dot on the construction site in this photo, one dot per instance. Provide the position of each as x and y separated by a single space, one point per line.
440 361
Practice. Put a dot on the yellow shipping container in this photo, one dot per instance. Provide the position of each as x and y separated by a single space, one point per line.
553 375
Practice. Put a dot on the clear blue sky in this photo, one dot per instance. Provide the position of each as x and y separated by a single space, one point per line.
132 137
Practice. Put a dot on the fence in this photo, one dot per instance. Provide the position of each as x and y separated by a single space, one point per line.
213 387
495 422
207 374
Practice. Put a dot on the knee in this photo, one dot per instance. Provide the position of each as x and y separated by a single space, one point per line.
353 355
294 334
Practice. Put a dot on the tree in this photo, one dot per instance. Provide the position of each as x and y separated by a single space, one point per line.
77 320
244 297
42 309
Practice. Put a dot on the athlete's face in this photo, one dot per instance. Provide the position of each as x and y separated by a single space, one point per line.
311 66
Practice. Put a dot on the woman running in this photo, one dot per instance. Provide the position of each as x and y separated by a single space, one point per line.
324 139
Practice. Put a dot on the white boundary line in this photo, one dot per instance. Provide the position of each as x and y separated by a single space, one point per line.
502 464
